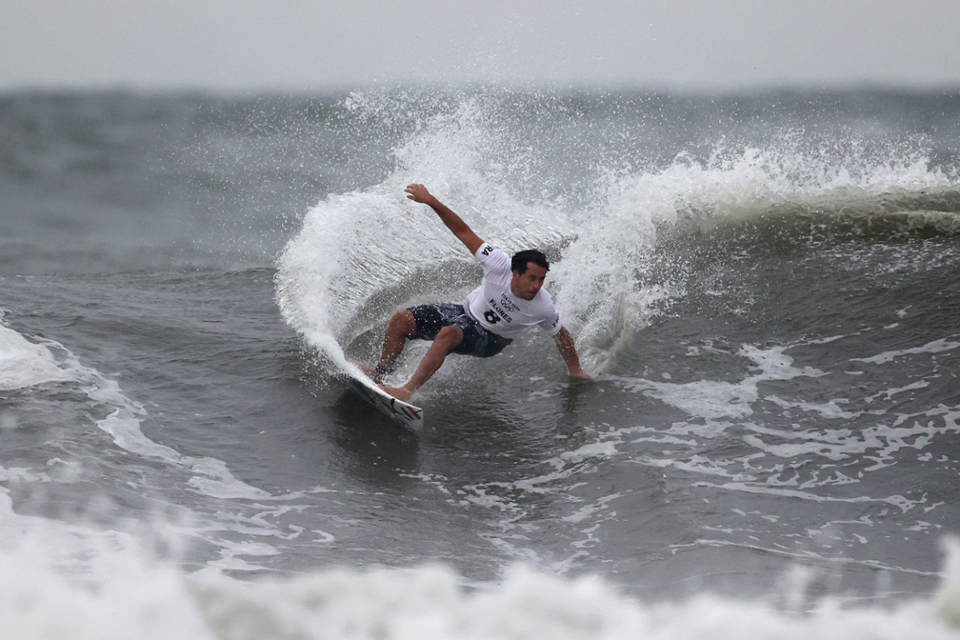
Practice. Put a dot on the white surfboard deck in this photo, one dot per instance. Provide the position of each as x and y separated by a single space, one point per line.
404 413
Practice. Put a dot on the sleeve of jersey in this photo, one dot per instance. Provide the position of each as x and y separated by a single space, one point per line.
551 322
491 259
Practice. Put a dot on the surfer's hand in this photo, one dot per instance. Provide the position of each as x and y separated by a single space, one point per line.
418 193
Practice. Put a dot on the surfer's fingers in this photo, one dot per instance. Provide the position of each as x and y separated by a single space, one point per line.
417 192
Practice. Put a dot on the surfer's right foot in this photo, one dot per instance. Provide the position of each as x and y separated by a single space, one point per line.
398 392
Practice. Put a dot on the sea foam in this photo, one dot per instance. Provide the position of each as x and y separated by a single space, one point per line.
113 590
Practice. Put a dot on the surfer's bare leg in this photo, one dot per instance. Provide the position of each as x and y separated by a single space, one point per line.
447 339
401 324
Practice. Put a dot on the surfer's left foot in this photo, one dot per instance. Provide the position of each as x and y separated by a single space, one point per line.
398 392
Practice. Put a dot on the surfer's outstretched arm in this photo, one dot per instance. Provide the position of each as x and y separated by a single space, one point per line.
568 351
419 193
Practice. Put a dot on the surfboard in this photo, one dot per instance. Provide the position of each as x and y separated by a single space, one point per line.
403 413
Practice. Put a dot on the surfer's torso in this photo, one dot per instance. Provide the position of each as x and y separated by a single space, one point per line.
497 310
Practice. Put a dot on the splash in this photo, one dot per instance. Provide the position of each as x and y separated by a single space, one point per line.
361 255
623 235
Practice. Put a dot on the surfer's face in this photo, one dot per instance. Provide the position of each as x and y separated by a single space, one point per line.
527 285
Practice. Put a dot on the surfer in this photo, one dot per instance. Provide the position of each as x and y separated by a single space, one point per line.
509 299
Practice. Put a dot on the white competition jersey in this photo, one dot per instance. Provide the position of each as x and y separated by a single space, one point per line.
494 306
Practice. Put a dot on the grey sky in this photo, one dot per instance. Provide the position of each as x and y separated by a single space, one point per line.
301 44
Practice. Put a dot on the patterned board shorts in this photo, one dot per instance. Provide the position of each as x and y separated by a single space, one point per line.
476 341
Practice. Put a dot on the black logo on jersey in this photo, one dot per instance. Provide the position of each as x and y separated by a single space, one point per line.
498 312
491 317
486 250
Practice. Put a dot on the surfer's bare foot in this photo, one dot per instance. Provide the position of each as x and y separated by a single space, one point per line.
400 393
370 372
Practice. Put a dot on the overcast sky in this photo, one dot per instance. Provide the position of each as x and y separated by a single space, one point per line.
317 44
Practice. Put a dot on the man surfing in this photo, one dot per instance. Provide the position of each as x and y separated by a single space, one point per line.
509 299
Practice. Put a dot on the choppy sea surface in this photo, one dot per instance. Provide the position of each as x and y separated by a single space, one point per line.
765 286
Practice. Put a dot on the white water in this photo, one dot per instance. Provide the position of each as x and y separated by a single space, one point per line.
68 583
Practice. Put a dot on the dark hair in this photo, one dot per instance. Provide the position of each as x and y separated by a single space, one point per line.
520 259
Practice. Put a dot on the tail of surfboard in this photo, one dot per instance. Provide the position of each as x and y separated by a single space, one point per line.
403 413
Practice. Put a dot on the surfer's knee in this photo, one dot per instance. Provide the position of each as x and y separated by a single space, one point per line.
403 322
449 336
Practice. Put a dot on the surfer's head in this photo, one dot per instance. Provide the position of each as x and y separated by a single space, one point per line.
521 259
529 271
